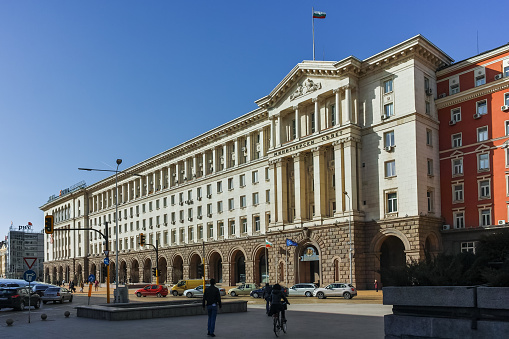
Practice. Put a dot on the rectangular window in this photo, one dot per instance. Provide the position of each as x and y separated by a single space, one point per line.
429 195
429 137
485 217
254 177
242 180
243 202
190 214
157 204
200 232
480 80
294 130
459 220
482 134
267 196
210 231
456 140
220 226
457 166
484 189
173 217
267 173
232 227
430 166
243 223
181 198
389 110
219 186
230 183
190 234
190 195
209 191
468 247
333 115
209 209
426 83
256 199
257 223
389 139
172 200
483 162
455 89
390 169
143 208
313 128
165 202
219 207
181 214
231 204
392 202
506 71
482 107
456 114
506 99
198 193
457 194
199 212
428 107
387 86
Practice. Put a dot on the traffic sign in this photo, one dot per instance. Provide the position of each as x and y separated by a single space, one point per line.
91 278
30 261
106 252
106 261
29 275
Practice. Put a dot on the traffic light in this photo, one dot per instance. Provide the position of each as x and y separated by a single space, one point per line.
154 272
200 270
142 239
48 224
158 273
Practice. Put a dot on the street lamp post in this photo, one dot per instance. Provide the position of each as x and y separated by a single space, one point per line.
119 161
349 232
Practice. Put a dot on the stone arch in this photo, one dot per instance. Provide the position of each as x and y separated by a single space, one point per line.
237 266
147 270
195 261
309 270
177 267
113 272
122 272
163 267
79 274
390 248
135 271
214 259
379 238
336 264
260 267
432 244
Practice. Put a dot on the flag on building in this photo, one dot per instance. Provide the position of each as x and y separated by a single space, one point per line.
29 223
290 242
318 15
268 243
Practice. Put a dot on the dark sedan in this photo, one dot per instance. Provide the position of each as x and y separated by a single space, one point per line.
40 288
259 292
18 298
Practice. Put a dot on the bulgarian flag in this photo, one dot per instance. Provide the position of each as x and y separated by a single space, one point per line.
318 15
268 243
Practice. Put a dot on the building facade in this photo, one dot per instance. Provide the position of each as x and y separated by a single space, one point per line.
339 155
21 242
473 108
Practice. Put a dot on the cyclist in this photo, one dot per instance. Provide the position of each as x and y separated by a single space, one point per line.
277 298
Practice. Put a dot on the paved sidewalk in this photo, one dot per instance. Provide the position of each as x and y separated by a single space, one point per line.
304 321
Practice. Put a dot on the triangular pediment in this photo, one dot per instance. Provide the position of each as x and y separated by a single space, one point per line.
482 148
456 154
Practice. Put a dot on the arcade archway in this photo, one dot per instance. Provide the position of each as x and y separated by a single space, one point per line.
193 266
135 272
392 256
163 267
238 268
308 269
147 271
216 267
178 269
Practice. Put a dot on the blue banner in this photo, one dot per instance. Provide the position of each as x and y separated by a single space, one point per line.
290 242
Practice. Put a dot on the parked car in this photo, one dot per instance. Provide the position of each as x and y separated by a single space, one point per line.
346 291
243 289
155 290
182 285
18 298
305 289
258 293
40 288
55 294
198 291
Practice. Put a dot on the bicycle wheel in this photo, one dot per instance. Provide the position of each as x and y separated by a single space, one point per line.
283 326
277 327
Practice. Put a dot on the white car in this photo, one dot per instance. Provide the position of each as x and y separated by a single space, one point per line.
305 289
344 290
198 291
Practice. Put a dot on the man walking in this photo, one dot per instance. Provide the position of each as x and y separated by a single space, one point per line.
267 291
212 298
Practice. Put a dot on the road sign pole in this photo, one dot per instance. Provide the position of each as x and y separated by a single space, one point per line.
29 299
89 292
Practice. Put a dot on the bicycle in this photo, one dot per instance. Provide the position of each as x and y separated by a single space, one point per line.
279 324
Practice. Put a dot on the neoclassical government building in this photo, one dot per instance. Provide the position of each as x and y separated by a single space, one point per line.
340 154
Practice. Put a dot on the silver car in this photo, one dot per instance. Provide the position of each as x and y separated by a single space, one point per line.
55 294
198 291
346 291
305 289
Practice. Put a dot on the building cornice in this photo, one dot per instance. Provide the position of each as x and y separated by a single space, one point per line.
473 93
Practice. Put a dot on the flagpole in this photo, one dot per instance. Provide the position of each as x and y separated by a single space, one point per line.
313 24
286 278
266 264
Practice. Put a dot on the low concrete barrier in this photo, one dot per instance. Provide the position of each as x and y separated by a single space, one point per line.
446 312
166 309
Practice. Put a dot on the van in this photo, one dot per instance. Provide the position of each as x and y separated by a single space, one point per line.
182 285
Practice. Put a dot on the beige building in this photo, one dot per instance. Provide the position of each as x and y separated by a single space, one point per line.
3 259
336 146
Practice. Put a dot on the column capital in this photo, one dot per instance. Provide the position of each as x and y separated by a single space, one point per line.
317 150
298 156
295 107
336 143
337 90
316 99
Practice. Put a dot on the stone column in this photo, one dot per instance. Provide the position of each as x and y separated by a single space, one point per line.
272 133
248 147
178 168
299 168
317 115
204 163
225 157
350 149
338 168
297 122
236 152
214 160
282 191
262 143
124 193
194 169
273 188
319 182
348 102
279 135
186 170
161 178
337 91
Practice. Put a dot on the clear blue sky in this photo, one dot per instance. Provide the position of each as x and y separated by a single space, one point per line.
83 83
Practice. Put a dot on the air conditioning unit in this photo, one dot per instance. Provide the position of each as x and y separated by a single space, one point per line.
384 116
501 222
477 116
199 217
443 95
151 227
429 91
209 215
446 227
165 224
158 225
505 108
389 148
173 222
189 219
198 198
181 203
181 220
452 122
209 196
498 76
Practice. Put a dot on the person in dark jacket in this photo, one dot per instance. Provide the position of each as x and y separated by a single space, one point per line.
211 299
276 302
267 291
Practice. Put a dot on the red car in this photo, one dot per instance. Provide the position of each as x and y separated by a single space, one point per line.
157 290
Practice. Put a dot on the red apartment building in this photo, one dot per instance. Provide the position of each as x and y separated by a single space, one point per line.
473 109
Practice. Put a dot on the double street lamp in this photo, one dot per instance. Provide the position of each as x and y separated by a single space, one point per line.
119 161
